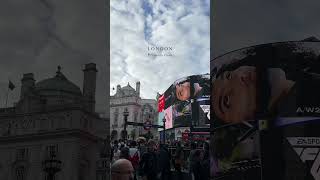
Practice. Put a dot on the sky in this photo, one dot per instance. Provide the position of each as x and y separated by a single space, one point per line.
38 35
237 24
136 25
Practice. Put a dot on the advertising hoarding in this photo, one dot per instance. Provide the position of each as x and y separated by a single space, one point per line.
168 117
272 86
185 91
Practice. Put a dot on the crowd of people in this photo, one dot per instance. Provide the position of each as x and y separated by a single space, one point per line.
151 160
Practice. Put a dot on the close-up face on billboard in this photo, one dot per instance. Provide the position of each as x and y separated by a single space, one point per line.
274 83
182 93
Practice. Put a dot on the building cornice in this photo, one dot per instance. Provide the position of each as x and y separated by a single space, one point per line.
50 110
125 104
75 133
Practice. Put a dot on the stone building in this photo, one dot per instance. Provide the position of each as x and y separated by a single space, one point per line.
140 110
54 121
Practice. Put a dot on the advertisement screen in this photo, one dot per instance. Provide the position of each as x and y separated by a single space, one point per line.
275 84
187 88
160 120
187 96
168 117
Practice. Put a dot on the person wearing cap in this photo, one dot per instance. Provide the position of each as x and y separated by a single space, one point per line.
122 170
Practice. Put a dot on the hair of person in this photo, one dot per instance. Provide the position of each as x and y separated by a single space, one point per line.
151 143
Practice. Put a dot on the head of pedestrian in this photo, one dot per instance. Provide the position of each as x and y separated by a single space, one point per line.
124 153
133 144
151 145
122 169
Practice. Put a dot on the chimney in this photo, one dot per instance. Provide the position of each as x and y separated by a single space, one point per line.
118 88
89 86
138 88
27 84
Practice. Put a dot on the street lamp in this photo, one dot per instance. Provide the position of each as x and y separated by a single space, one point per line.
164 130
51 167
125 115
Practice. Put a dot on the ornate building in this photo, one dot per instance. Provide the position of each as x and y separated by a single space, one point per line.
140 110
53 131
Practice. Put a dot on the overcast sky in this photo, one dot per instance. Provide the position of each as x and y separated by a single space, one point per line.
139 24
38 35
238 24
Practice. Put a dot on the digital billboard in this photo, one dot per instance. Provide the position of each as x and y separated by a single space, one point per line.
168 117
274 88
189 98
160 120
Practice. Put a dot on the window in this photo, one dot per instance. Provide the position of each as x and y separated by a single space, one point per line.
101 176
20 173
135 116
52 151
50 178
116 117
21 154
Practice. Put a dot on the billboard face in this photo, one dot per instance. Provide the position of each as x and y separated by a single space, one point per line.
185 91
279 82
168 116
187 88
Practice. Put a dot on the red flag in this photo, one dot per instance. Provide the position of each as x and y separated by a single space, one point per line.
161 103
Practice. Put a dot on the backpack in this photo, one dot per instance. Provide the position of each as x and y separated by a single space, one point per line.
135 160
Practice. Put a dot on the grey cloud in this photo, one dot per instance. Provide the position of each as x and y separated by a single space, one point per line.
37 36
238 24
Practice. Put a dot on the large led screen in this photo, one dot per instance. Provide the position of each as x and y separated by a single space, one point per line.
263 98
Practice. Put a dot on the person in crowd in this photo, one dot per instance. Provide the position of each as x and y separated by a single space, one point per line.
116 152
193 148
141 148
148 166
164 163
196 165
205 162
134 156
124 153
178 160
122 170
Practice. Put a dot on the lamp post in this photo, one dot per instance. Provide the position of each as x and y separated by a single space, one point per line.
51 167
125 115
164 130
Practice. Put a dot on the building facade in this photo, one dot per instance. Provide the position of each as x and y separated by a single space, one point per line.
127 99
54 121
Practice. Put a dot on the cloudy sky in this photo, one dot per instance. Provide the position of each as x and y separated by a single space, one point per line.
139 24
238 24
38 35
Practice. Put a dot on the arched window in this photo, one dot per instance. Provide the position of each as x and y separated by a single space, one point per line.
20 173
136 117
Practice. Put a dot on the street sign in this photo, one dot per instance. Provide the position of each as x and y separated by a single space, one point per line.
147 125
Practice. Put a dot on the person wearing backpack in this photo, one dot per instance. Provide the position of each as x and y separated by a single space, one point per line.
134 157
148 166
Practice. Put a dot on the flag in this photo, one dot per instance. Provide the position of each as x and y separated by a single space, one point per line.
11 85
161 103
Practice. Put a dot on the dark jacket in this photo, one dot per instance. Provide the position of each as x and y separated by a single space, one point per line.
148 165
